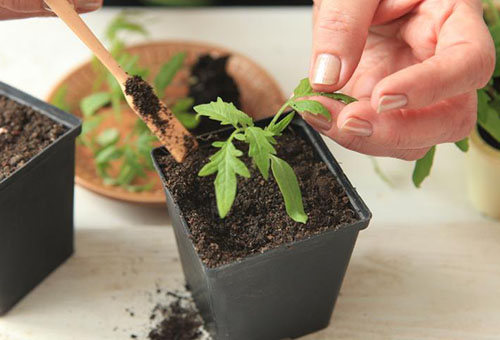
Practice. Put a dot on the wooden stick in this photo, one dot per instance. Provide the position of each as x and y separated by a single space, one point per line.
173 135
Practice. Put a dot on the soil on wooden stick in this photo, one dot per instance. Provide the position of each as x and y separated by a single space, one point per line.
258 220
144 98
24 132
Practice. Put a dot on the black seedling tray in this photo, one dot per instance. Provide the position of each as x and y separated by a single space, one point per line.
36 208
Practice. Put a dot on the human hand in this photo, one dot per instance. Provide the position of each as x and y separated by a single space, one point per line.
16 9
415 77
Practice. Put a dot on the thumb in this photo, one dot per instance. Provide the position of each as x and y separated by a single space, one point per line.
339 36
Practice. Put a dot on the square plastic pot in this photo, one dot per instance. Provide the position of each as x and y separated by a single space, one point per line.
36 208
285 292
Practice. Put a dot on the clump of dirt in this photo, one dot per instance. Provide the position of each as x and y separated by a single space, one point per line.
209 80
24 132
258 220
180 320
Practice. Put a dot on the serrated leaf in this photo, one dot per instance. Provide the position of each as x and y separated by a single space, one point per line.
310 106
167 73
108 137
225 113
227 165
289 187
463 144
92 103
260 148
279 127
303 89
423 167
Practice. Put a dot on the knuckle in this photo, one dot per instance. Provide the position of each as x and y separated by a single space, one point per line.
485 60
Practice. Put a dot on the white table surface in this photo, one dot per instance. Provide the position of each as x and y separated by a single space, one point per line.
428 267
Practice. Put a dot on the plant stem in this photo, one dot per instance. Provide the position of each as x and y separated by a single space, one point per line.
278 114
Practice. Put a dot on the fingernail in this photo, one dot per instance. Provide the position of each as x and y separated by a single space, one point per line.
357 127
46 7
326 69
392 102
317 121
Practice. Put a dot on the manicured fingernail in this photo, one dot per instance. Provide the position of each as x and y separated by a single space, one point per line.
317 121
357 127
326 69
392 102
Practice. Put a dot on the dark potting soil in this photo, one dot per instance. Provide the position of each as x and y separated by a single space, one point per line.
180 320
24 132
210 80
143 97
258 220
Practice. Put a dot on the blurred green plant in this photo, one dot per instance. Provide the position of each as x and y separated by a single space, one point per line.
109 146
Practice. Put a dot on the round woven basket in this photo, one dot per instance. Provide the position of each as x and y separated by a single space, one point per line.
260 97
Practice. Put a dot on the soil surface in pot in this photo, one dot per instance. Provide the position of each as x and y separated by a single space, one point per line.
24 132
258 220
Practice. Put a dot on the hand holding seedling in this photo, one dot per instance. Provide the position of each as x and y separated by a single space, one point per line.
138 93
414 65
16 9
227 165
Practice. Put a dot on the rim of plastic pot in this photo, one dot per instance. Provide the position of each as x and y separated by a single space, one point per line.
483 146
72 123
326 156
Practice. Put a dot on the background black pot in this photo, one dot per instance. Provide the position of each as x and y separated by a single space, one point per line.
36 209
285 292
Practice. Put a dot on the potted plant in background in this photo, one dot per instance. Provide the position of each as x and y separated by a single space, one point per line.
113 150
37 161
483 159
265 221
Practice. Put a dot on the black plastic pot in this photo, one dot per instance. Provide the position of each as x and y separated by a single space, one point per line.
285 292
36 208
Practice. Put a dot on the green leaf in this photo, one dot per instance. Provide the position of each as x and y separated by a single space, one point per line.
108 154
303 89
227 165
260 148
59 99
189 120
289 187
168 72
122 24
90 104
181 109
108 137
278 128
90 124
310 106
487 117
337 96
225 113
463 144
183 105
423 167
